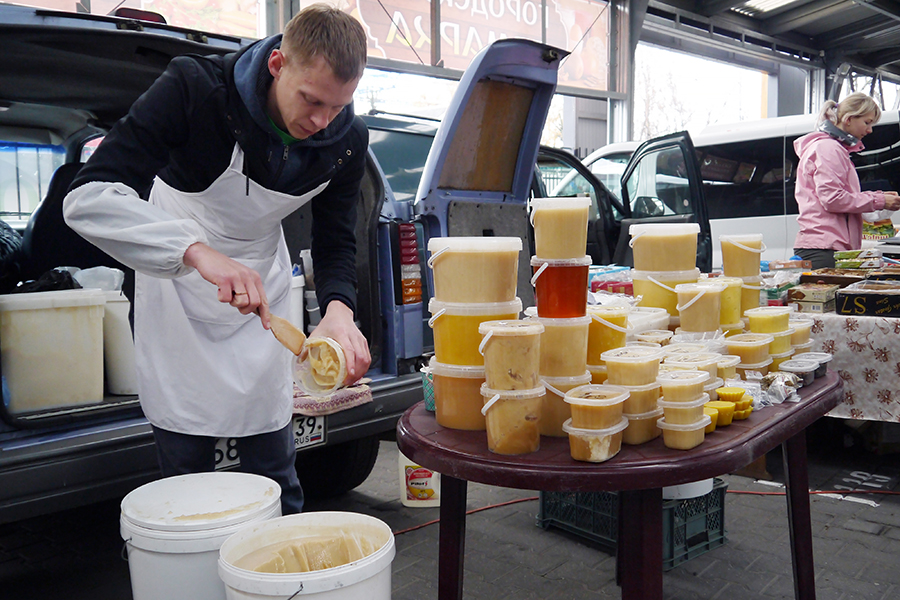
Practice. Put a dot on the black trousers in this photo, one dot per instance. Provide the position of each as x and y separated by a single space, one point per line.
820 258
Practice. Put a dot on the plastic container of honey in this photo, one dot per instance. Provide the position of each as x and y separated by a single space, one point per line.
761 367
683 437
683 413
698 305
664 246
643 318
730 329
608 330
512 420
685 348
802 348
782 341
457 395
741 254
655 336
596 406
713 415
711 389
564 346
823 358
455 325
595 445
642 428
725 368
769 319
641 398
699 361
805 370
682 386
802 328
632 365
512 354
753 348
560 226
778 359
560 286
750 290
657 288
730 301
726 411
475 269
598 373
554 409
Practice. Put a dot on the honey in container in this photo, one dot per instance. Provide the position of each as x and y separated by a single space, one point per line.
512 353
475 269
457 396
560 286
554 409
560 226
664 246
608 330
455 325
564 346
513 420
596 406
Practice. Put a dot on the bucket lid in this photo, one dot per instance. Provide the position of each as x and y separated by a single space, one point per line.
640 344
785 354
200 501
620 426
701 424
560 203
475 244
685 348
661 229
519 327
583 261
700 286
728 281
54 299
512 394
475 308
460 371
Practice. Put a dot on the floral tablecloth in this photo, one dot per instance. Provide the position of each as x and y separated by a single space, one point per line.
867 357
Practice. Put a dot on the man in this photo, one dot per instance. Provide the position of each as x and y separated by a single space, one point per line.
224 148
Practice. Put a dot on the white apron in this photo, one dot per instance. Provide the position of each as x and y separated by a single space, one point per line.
203 367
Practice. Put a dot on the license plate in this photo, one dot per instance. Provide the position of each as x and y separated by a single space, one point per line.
308 432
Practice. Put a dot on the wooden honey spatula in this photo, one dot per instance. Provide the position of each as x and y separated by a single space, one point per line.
286 333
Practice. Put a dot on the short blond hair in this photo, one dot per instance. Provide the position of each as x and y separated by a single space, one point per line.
856 104
326 31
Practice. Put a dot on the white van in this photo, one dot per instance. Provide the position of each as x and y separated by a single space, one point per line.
748 171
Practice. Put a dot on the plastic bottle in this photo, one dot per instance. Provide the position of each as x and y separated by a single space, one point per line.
419 487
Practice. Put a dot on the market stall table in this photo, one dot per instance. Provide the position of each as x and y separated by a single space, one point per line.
638 472
867 358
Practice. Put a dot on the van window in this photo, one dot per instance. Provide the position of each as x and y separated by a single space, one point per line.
609 170
658 186
402 158
25 172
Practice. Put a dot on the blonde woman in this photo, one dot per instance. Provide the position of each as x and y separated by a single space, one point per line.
827 191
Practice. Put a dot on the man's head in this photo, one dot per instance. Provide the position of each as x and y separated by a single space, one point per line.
316 70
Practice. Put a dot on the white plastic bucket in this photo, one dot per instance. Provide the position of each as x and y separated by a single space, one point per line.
118 346
173 529
368 577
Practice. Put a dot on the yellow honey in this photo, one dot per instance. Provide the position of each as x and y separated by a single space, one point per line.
564 346
750 293
730 300
664 246
725 368
596 406
457 396
598 373
753 348
682 385
683 413
683 437
512 420
512 354
655 336
802 329
768 319
554 409
595 445
607 330
632 365
699 305
560 226
657 288
475 269
455 325
741 254
642 428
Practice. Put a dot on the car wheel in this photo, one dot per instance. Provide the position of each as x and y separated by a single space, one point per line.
335 470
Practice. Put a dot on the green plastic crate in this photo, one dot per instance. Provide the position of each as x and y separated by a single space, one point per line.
691 527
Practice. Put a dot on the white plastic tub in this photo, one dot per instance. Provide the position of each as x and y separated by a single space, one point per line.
118 346
366 578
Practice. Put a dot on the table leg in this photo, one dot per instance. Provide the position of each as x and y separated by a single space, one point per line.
452 538
797 481
639 553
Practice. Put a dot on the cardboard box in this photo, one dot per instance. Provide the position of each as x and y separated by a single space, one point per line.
781 265
814 307
864 263
869 298
812 292
841 277
857 254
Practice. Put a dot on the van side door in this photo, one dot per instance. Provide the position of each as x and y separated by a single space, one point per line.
662 184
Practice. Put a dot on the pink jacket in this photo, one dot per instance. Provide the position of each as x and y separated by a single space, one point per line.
828 195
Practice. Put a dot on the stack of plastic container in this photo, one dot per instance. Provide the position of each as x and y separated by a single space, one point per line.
684 422
665 255
753 350
699 305
560 273
740 258
634 369
474 281
774 321
801 339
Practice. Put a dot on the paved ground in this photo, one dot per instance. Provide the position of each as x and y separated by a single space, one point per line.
75 555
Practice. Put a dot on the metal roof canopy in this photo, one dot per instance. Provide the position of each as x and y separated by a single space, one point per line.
828 34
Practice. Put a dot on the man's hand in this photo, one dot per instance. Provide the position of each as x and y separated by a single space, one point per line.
338 325
239 286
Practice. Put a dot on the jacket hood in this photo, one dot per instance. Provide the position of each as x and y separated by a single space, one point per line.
803 144
838 133
252 80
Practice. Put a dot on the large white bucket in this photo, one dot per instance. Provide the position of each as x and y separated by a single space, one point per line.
173 529
368 578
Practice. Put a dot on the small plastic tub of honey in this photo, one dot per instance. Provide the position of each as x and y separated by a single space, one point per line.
554 409
761 367
802 348
596 406
457 395
641 398
779 359
655 336
560 226
823 358
560 286
598 373
731 394
726 411
711 389
512 353
713 415
782 342
729 301
595 445
683 413
475 269
512 420
564 346
805 370
657 288
683 437
802 327
700 361
753 348
632 365
642 428
768 319
750 290
725 368
455 325
608 330
681 385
